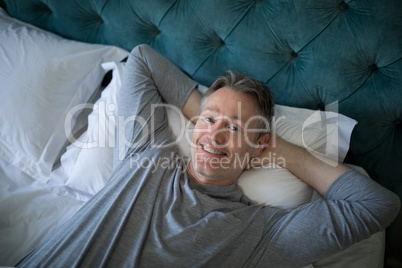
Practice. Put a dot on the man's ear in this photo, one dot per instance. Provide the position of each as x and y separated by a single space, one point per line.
262 144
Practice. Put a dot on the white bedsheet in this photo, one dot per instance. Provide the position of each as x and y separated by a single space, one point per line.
30 211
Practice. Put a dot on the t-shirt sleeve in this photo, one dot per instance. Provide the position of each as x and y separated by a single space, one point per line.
150 82
354 208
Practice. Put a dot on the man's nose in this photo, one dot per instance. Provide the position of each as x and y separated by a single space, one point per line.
219 133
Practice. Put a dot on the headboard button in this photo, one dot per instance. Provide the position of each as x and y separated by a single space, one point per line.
157 31
44 8
220 43
294 55
343 6
321 106
372 68
216 42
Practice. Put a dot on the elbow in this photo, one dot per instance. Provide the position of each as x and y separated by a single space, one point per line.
391 209
396 205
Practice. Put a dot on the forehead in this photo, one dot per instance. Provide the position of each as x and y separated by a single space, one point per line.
228 102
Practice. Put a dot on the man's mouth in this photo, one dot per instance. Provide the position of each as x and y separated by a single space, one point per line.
212 151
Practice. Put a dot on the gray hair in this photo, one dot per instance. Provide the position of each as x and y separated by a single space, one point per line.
241 83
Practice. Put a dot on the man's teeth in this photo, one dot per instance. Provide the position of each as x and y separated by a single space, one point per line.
211 151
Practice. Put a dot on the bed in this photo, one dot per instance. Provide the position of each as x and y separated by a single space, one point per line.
334 67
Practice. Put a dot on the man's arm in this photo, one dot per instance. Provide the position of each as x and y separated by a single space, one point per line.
149 79
353 208
304 165
192 106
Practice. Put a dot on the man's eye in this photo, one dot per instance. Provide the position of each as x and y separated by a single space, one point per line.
209 119
234 128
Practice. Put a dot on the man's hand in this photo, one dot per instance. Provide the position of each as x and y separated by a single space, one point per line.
192 106
267 156
301 163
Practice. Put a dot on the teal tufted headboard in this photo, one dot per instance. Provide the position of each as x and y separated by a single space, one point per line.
318 54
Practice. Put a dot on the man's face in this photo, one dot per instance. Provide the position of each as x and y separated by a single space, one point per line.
223 139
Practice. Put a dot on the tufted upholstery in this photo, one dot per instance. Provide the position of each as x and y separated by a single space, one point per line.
319 54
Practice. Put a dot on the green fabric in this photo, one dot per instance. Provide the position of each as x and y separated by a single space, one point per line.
311 53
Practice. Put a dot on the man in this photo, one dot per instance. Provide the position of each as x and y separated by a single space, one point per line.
194 215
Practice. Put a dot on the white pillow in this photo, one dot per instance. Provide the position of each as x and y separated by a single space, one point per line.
88 161
322 133
42 76
89 169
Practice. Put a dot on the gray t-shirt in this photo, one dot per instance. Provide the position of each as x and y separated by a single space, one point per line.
151 214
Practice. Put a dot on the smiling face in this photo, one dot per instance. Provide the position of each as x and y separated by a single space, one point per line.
224 141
